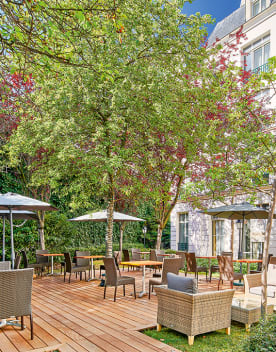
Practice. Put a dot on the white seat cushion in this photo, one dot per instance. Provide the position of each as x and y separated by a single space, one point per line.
271 274
271 291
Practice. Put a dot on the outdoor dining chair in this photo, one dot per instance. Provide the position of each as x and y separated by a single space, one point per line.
16 295
191 265
69 268
226 271
153 257
112 278
37 267
170 265
215 268
17 261
135 254
83 262
44 261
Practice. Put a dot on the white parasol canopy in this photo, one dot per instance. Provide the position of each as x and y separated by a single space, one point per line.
13 201
102 216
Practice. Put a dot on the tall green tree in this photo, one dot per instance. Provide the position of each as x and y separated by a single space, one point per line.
100 68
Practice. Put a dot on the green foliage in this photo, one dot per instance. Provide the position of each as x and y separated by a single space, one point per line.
262 337
216 341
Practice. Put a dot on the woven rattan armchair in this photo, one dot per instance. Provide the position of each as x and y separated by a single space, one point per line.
70 268
135 254
43 260
17 261
35 266
181 254
16 295
170 265
191 265
194 314
112 278
6 265
226 270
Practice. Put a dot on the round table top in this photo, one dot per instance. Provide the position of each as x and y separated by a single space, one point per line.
51 254
89 256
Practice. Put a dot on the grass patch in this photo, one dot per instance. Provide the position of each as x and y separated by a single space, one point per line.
216 341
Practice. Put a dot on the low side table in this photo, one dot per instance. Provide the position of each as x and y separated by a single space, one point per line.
247 311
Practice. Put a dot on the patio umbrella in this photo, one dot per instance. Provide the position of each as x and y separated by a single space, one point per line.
13 201
17 214
241 211
101 216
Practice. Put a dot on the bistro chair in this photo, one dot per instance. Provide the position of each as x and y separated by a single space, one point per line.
6 265
16 295
112 278
62 263
170 265
181 254
191 265
159 257
83 262
215 268
135 255
37 267
226 271
69 268
153 257
43 260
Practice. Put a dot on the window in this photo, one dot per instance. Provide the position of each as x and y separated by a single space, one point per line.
218 236
183 244
257 55
258 6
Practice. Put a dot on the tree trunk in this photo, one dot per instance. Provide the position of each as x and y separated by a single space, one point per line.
122 228
159 236
266 248
41 222
109 235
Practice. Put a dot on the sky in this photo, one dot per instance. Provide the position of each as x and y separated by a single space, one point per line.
219 9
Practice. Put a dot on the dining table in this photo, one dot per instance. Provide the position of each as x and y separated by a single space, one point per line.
248 262
143 264
91 258
51 255
144 254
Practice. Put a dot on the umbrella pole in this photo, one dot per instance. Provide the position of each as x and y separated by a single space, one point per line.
12 241
3 243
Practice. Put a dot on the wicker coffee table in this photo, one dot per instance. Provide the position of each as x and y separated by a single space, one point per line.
247 311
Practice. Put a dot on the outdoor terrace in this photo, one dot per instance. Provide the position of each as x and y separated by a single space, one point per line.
75 317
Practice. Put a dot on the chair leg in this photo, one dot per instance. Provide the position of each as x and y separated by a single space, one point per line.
149 291
64 274
218 284
22 322
69 278
206 276
85 275
124 289
104 291
134 289
80 275
32 327
115 292
210 278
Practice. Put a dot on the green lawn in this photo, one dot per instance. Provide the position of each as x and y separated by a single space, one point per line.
216 341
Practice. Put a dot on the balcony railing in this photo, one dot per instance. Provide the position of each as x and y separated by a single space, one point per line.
263 68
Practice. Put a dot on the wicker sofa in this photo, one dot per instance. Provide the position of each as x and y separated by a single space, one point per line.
253 284
194 314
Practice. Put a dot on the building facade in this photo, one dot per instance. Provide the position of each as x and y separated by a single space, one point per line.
197 232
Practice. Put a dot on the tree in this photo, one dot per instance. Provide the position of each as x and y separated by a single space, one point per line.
99 69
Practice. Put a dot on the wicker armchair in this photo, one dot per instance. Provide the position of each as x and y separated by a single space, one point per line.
194 314
112 278
182 255
191 265
170 265
226 270
6 265
135 254
16 295
17 261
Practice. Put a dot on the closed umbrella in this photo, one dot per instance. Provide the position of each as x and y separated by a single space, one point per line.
17 214
241 211
13 201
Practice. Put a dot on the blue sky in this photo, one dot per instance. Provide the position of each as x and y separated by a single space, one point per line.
219 9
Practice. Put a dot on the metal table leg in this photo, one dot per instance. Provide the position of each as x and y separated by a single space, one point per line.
143 292
92 272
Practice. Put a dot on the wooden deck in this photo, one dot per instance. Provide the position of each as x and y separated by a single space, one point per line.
75 317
